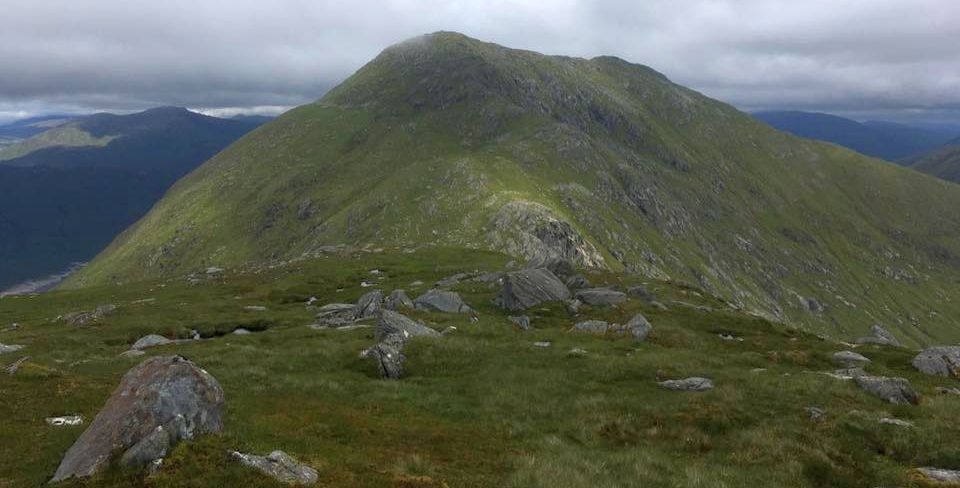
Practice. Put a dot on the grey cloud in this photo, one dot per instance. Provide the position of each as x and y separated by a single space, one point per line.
892 57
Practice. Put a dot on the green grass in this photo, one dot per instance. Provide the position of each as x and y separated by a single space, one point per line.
481 407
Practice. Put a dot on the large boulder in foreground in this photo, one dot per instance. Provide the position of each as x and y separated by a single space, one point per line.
529 288
941 361
163 400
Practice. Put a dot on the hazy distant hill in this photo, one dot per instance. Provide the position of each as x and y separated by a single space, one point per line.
447 141
74 187
943 162
885 140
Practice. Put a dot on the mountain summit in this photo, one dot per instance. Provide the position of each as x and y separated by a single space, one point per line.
444 140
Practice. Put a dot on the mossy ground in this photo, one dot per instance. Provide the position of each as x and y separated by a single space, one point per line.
481 407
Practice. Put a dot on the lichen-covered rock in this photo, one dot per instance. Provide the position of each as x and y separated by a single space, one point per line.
369 305
530 287
897 391
688 384
149 341
592 326
881 336
279 466
437 300
398 300
600 296
941 361
165 392
393 323
849 359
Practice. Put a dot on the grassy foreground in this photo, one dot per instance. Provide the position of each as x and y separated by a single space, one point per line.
481 407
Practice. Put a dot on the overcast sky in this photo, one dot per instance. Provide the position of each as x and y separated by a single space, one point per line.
891 59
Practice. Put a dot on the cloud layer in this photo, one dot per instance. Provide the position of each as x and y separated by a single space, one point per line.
889 58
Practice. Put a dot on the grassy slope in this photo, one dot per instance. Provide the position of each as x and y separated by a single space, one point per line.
481 407
425 145
68 136
943 163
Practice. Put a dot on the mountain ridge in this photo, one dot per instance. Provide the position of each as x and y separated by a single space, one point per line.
448 141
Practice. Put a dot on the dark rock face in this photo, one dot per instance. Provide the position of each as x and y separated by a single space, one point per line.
941 361
437 300
530 287
279 466
897 391
159 402
881 336
600 296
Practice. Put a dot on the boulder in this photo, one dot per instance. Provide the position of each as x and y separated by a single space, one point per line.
279 466
940 475
641 293
84 318
600 296
255 308
530 287
522 321
639 327
388 357
65 420
897 391
688 384
941 361
4 348
577 282
816 413
163 400
336 314
592 326
149 341
849 359
393 323
240 331
397 300
369 305
881 336
437 300
15 366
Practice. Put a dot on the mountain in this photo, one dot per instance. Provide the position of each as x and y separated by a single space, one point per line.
21 129
884 140
446 141
73 188
943 162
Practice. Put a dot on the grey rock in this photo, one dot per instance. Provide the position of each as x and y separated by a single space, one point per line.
849 359
155 445
577 282
240 331
942 475
84 318
149 341
947 391
153 394
641 293
592 326
398 300
393 323
659 306
15 366
4 348
132 353
573 306
881 336
530 287
522 321
279 466
542 344
600 296
940 361
388 358
559 266
64 421
453 280
437 300
369 305
336 314
897 391
896 422
816 413
214 271
578 351
849 373
639 327
255 308
688 384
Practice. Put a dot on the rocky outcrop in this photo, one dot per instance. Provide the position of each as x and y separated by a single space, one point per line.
531 230
437 300
279 466
599 297
897 391
149 341
336 314
881 336
530 287
85 318
688 384
398 300
163 400
849 359
392 333
369 305
941 361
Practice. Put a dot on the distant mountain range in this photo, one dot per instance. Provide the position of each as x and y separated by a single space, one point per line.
884 140
73 185
943 162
